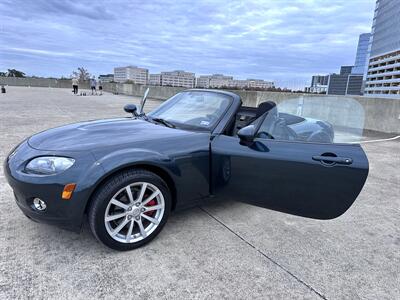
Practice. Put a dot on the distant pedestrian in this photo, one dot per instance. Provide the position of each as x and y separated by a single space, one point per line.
93 85
75 83
100 84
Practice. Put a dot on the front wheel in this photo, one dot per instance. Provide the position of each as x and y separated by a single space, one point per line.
129 209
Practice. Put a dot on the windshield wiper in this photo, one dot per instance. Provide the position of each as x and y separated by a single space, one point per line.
164 122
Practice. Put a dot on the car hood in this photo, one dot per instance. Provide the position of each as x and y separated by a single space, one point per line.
90 135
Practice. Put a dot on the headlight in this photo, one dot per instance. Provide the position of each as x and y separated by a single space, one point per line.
49 165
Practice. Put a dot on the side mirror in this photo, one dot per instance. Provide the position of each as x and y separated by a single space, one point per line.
247 134
131 108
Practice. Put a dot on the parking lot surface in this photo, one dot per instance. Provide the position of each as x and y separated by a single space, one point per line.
223 250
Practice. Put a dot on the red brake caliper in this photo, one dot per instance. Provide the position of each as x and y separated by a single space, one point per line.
151 203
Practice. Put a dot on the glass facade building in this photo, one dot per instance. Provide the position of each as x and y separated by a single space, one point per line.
361 62
383 77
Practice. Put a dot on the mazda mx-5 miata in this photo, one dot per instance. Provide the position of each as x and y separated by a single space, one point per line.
127 174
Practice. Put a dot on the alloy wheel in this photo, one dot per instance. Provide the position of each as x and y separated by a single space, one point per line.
134 212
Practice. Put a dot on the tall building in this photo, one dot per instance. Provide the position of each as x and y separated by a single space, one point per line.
319 80
350 80
178 78
383 77
132 73
361 61
346 70
345 83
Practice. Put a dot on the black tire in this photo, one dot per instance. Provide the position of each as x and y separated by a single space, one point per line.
103 196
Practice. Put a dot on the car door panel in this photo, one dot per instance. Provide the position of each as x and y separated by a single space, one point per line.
291 177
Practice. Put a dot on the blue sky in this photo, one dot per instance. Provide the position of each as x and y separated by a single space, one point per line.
286 41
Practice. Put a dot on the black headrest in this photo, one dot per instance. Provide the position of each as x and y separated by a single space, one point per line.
264 107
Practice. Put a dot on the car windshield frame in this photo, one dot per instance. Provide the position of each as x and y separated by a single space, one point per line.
191 127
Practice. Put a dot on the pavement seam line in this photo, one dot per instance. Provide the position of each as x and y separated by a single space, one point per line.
265 255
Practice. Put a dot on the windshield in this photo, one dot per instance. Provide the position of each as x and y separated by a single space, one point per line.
197 109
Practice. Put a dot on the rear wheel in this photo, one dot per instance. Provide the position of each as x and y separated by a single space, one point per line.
130 209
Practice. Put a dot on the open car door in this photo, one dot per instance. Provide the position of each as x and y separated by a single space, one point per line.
286 171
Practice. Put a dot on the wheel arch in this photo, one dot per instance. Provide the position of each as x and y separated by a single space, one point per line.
143 166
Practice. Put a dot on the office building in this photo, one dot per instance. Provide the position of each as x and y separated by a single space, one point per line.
213 81
223 81
316 89
345 83
178 78
238 83
319 80
350 79
319 84
106 78
361 61
259 84
155 79
131 73
383 77
346 70
203 81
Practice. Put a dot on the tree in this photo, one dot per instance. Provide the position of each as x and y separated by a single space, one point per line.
3 74
15 73
82 74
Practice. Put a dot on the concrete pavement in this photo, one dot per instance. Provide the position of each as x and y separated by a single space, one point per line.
223 250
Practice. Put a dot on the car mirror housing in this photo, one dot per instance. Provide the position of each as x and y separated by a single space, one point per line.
247 134
131 108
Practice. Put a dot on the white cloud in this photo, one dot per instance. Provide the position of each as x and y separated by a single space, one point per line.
281 40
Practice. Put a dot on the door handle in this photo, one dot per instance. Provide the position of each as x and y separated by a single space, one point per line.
330 160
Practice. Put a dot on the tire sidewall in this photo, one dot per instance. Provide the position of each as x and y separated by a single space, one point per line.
100 204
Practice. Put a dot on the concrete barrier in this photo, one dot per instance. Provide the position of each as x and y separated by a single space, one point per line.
41 82
156 92
375 114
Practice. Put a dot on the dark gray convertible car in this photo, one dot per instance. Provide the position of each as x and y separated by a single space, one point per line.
126 175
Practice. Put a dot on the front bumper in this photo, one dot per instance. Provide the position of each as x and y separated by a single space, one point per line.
67 214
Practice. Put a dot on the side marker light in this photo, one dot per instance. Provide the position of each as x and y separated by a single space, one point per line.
68 190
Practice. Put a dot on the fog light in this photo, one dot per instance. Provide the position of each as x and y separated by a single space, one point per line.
39 204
